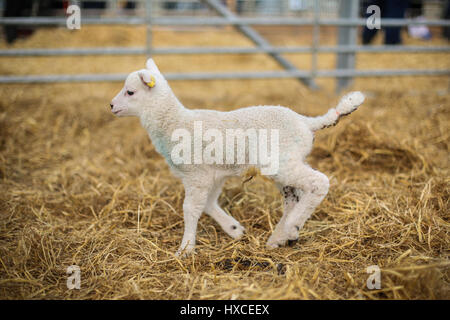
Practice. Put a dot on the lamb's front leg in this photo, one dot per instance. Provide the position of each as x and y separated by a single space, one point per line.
193 206
229 224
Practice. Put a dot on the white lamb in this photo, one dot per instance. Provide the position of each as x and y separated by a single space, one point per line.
147 95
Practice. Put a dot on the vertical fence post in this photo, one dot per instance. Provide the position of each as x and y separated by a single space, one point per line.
315 42
347 35
112 7
148 23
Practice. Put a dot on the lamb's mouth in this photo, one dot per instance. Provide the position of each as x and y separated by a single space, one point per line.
116 112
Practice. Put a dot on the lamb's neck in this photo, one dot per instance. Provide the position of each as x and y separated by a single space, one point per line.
163 117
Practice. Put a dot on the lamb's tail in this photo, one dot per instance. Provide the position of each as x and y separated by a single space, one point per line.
349 103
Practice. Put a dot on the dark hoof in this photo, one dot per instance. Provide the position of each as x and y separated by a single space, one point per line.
291 243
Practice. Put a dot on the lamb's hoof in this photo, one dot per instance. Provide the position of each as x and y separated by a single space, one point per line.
271 243
236 231
292 233
274 245
184 252
275 242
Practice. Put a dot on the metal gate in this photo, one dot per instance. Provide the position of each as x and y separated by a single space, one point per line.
347 20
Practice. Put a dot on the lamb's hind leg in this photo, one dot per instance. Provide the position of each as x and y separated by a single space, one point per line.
304 189
230 225
291 196
314 186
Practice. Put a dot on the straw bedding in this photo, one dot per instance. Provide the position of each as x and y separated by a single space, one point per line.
79 186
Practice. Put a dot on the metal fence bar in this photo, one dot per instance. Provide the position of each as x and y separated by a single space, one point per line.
148 22
219 50
214 21
226 75
346 36
243 25
383 73
384 48
257 39
385 22
316 38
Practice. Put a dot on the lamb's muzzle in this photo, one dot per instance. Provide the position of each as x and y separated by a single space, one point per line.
162 115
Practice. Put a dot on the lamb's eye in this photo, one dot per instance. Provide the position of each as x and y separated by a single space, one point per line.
130 93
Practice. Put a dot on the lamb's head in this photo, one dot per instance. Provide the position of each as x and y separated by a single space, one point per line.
141 91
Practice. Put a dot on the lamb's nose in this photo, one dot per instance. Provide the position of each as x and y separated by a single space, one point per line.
111 105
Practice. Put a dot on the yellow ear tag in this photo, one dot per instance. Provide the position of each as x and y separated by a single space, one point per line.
151 84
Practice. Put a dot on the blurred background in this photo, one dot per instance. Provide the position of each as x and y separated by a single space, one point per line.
295 34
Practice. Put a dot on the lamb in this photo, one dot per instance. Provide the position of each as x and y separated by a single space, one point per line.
170 126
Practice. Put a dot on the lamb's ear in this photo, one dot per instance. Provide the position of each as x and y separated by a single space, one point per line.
147 78
151 65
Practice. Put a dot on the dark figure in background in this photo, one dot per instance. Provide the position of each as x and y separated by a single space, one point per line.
130 5
415 8
17 9
390 9
446 16
26 8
